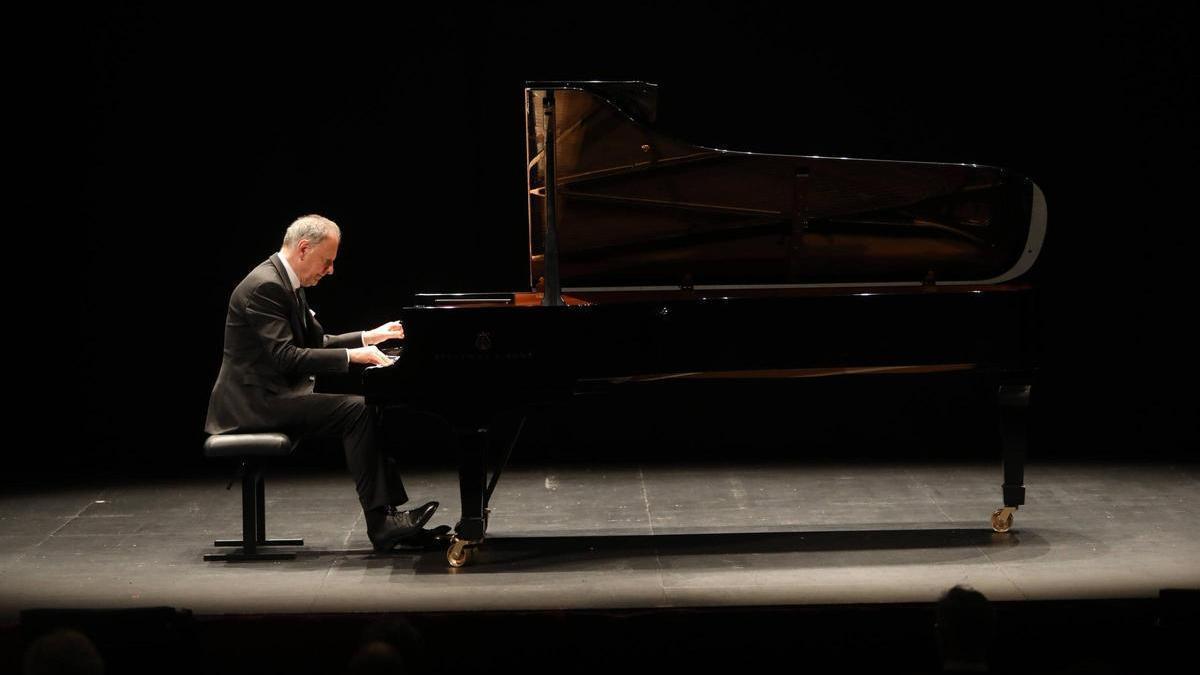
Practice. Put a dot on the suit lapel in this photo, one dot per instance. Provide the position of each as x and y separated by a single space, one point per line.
294 317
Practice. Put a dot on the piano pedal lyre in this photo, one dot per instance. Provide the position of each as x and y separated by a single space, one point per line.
1002 518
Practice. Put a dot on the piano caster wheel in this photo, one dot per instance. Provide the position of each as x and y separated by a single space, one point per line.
1002 518
458 554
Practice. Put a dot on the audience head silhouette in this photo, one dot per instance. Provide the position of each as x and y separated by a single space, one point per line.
392 646
966 625
62 652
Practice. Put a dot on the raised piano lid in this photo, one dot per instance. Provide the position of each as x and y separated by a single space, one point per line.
638 211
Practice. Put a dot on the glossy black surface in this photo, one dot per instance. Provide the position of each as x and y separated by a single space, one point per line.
473 361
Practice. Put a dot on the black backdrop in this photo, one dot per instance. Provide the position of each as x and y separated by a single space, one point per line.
204 132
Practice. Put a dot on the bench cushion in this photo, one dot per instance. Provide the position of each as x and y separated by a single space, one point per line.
248 445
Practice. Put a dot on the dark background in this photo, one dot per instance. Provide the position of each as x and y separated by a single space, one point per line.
202 133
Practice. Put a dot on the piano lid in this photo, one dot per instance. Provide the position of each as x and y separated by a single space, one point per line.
636 209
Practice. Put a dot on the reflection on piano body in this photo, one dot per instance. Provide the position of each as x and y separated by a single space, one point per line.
651 259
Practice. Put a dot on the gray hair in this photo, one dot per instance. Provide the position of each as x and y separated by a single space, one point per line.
312 227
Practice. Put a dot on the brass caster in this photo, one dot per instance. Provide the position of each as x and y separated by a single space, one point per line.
458 554
1002 518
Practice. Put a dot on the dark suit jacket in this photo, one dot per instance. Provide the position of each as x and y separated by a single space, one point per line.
269 352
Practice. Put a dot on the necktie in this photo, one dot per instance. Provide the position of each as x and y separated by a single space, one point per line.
303 307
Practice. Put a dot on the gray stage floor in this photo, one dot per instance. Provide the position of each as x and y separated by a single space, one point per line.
621 537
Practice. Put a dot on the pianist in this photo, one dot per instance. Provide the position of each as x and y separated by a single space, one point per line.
274 348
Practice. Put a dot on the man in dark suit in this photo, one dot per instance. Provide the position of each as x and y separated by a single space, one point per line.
275 348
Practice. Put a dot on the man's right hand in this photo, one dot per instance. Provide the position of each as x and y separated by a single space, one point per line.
370 356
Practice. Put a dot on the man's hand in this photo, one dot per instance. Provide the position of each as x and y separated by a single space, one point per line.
392 330
371 356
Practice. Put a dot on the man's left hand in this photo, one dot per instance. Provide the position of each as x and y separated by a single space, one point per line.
392 330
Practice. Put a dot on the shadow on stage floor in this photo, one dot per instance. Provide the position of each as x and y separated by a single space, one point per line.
508 554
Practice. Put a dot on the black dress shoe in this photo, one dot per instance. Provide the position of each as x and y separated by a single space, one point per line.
426 540
414 518
384 535
387 527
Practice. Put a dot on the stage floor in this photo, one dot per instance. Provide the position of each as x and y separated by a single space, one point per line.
602 537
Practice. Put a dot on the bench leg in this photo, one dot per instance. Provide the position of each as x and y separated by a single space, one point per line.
254 524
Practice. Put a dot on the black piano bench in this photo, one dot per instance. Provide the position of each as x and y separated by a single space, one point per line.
252 450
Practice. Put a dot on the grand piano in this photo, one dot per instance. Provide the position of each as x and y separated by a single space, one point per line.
652 259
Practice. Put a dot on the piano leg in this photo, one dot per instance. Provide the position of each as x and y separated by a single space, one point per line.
472 474
1013 400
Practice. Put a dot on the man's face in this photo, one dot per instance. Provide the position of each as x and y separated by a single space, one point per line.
315 261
